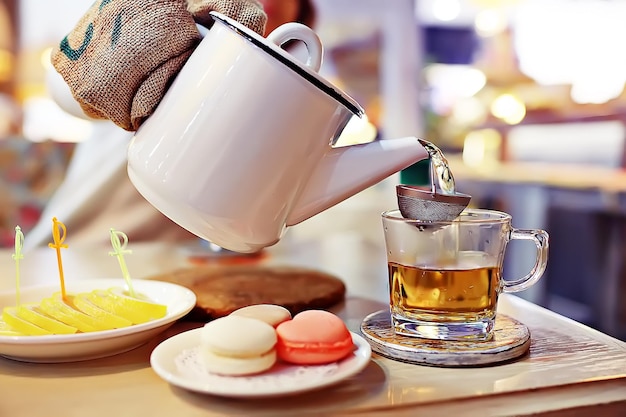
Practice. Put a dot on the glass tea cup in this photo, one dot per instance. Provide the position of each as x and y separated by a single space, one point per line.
445 277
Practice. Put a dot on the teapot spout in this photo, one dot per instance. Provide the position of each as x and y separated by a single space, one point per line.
348 170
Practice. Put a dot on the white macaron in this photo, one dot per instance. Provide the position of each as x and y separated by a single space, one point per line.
235 345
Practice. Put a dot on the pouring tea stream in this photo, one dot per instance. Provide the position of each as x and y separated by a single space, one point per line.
241 145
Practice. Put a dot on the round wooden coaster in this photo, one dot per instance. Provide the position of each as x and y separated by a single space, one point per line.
222 289
511 340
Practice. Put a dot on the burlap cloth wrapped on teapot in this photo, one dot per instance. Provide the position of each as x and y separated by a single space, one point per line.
122 55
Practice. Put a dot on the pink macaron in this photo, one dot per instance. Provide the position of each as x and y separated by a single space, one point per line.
313 337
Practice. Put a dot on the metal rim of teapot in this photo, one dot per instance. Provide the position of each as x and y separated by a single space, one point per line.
290 62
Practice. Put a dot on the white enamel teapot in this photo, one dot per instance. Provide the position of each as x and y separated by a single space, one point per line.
241 145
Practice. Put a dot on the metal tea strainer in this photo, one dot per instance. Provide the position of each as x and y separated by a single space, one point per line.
439 203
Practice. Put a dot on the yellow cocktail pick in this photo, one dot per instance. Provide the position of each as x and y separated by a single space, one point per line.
58 236
119 249
19 243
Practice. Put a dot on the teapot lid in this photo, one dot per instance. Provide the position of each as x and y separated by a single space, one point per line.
290 61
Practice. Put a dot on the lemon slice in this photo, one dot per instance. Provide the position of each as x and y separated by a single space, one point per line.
32 314
6 330
133 309
98 322
9 315
140 302
83 303
62 312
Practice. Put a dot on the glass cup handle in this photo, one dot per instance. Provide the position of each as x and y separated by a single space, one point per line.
540 237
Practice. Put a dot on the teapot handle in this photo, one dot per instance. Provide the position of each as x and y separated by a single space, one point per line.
299 32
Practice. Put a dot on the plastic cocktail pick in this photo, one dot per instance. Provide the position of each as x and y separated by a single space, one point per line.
119 249
19 243
58 237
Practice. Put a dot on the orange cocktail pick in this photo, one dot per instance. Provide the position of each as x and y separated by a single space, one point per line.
58 237
19 243
119 249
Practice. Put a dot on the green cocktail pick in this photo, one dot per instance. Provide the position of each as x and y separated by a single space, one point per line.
119 241
17 256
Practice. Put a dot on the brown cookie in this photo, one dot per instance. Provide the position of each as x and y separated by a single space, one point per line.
220 290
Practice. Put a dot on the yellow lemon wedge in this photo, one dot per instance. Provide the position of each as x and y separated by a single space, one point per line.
82 302
6 330
9 315
134 309
32 314
59 310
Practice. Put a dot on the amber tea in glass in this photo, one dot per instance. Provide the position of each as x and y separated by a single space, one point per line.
435 294
445 277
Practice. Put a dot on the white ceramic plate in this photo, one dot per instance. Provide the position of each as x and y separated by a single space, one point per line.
84 346
176 361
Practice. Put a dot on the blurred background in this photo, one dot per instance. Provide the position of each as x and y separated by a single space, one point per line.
526 97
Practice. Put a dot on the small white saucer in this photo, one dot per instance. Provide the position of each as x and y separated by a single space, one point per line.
83 346
176 360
